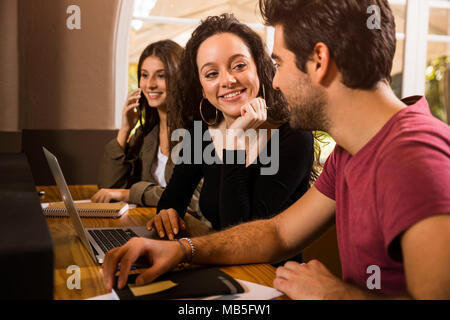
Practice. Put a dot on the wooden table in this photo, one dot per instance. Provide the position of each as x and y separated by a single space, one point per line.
68 249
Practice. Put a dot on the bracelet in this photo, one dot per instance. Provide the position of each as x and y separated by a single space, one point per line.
184 249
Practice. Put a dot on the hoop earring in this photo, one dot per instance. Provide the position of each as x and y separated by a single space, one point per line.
203 118
264 95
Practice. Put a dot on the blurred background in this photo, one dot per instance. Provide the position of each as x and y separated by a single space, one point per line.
66 87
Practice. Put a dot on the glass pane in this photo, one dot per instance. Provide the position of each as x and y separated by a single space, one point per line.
148 33
244 10
397 69
437 50
399 11
437 85
439 21
437 88
151 32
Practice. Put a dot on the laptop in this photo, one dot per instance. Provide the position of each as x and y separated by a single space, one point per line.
97 241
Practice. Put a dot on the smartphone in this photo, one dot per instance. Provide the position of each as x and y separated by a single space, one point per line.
142 100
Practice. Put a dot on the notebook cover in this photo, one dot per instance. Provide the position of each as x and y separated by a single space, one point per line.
191 283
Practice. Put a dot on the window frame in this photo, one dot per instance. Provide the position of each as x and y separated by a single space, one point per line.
417 38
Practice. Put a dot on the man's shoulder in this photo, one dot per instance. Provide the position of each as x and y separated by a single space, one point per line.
421 133
417 123
417 150
412 131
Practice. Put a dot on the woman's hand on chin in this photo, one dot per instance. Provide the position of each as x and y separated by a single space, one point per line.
253 115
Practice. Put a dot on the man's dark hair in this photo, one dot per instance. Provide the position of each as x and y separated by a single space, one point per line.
363 55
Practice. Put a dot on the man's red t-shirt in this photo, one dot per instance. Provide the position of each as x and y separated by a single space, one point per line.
401 176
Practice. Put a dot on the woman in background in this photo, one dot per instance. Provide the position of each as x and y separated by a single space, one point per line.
136 166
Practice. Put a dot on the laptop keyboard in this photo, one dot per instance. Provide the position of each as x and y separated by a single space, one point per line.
108 239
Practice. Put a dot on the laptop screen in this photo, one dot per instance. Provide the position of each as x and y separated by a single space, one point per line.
67 198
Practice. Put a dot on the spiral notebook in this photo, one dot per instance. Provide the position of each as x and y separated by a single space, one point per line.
88 209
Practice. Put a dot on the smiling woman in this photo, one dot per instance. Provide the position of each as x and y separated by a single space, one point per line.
229 76
225 85
153 82
136 165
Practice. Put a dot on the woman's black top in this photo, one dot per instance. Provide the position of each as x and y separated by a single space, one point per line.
234 193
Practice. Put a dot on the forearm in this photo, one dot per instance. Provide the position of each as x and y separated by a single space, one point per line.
122 138
145 193
253 242
152 195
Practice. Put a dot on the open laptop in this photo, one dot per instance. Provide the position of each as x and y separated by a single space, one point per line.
97 241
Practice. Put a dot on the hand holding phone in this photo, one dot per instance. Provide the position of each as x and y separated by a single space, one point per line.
131 111
130 116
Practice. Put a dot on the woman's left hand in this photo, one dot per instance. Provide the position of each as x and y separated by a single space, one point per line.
106 195
253 115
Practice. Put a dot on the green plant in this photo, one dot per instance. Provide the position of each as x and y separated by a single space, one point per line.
437 85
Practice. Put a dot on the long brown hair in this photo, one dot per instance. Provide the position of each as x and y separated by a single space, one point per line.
169 52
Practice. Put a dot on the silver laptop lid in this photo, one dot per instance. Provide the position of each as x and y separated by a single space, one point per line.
67 198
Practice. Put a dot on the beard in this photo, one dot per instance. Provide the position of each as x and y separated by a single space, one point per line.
307 104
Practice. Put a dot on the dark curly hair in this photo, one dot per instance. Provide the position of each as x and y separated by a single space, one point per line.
189 93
